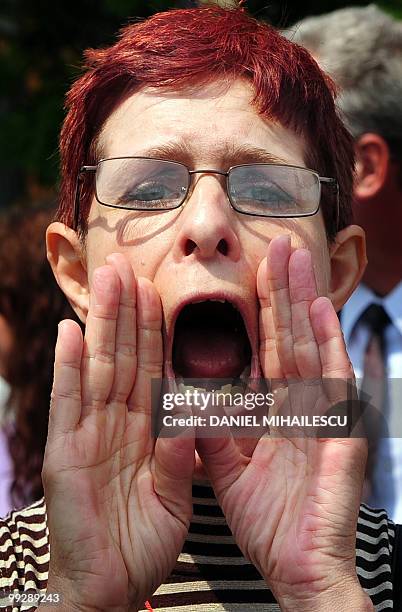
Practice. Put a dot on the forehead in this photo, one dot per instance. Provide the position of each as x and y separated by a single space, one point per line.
214 123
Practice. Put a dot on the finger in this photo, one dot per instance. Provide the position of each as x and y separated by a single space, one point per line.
173 472
149 345
222 460
327 331
100 336
269 358
278 255
65 404
125 356
303 291
335 363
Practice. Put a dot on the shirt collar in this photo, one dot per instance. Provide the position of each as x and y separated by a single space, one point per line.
361 298
393 305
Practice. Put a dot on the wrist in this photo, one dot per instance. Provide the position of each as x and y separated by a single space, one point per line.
75 599
346 595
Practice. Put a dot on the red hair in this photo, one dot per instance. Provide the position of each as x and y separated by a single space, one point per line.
186 47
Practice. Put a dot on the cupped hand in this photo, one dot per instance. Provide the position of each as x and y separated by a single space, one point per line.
293 506
118 505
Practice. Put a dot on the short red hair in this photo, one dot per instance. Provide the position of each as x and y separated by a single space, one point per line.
187 47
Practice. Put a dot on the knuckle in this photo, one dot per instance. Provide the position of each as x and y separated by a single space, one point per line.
151 326
104 357
58 395
268 344
128 301
97 402
118 397
277 284
69 365
282 330
103 354
304 343
105 313
150 367
126 350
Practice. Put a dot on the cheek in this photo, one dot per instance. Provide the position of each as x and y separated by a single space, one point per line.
307 233
145 239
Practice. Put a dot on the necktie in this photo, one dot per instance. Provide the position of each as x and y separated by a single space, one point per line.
374 386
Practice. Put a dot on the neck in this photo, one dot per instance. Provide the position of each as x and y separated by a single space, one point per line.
381 219
384 268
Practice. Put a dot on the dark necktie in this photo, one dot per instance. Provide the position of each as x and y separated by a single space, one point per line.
374 385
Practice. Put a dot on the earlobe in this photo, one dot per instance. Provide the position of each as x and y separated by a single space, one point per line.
65 255
373 157
348 261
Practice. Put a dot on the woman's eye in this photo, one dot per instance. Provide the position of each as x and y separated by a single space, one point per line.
265 193
148 192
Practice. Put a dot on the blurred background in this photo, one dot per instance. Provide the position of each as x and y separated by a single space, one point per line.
41 45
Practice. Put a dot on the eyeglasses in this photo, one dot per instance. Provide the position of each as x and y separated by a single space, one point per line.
263 190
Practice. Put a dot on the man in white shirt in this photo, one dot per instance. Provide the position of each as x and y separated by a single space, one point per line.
361 48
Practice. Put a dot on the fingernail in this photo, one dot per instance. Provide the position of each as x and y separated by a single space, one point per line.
110 258
105 286
303 256
285 238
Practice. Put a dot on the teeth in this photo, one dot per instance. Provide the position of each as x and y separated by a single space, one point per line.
228 388
209 300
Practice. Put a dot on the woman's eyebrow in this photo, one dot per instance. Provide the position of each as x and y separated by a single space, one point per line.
248 154
224 154
174 150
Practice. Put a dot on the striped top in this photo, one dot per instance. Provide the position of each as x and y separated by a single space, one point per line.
210 574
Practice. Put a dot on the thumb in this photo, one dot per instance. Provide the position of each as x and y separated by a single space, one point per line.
174 461
222 460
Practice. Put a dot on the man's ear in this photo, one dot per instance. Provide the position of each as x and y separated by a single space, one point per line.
348 261
65 255
372 163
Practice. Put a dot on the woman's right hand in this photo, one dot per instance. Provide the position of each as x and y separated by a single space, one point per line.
118 504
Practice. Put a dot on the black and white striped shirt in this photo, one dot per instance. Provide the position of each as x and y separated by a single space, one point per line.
210 574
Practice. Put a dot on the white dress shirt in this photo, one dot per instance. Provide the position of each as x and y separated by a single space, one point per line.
387 477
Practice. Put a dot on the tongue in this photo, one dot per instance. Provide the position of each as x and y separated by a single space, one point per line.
221 355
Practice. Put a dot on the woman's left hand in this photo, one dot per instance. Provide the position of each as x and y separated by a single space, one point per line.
293 506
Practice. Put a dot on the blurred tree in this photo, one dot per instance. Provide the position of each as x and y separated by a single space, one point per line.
283 13
41 45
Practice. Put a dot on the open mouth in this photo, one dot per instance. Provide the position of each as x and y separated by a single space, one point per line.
210 341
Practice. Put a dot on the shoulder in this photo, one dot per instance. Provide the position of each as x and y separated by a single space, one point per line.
375 538
24 548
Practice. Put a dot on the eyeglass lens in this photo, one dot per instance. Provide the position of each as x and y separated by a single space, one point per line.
141 183
274 190
261 189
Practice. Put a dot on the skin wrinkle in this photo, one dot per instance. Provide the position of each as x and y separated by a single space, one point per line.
163 117
109 138
227 153
155 243
206 251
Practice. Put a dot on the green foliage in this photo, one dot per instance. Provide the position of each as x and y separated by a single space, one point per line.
41 45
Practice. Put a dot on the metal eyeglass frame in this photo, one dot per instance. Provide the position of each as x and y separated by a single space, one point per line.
85 169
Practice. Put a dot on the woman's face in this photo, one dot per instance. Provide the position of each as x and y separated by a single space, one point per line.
204 250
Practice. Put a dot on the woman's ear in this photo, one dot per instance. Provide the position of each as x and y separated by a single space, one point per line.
372 164
348 261
66 257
